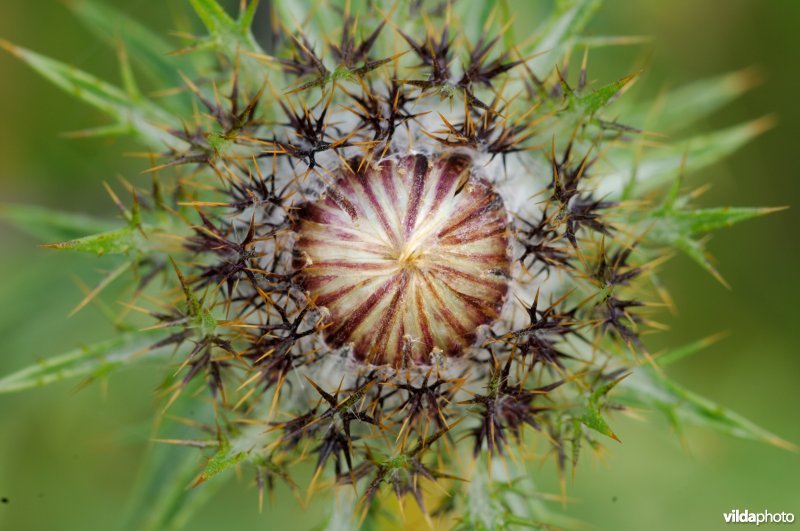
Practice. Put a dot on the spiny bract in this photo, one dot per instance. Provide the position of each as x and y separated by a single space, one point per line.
402 242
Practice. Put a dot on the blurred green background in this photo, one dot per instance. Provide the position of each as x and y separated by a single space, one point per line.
68 459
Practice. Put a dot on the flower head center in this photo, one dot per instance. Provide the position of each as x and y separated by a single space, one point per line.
410 257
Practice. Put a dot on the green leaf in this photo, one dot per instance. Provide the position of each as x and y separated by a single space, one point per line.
52 225
679 353
214 17
232 38
100 131
142 118
695 249
125 240
651 389
227 32
343 515
681 228
473 17
201 316
146 48
163 498
686 105
90 361
505 499
592 416
599 98
659 166
126 73
594 420
564 25
602 41
120 241
225 458
704 220
247 16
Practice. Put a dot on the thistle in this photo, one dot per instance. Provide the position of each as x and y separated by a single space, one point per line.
394 243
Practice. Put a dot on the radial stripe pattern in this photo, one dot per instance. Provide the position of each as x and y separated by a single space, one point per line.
410 256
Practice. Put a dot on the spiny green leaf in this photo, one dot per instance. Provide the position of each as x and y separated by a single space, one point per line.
224 29
505 499
514 521
146 48
599 98
650 388
592 416
231 38
686 105
564 25
85 361
695 249
214 17
705 220
225 458
473 17
52 225
679 353
142 118
247 16
126 73
577 441
169 478
102 131
120 241
233 451
162 499
174 510
201 316
681 228
660 165
124 240
602 41
594 420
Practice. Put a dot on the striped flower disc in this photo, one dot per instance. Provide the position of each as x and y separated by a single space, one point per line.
410 256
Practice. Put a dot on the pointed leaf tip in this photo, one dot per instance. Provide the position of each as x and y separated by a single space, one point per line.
95 359
53 225
653 389
142 117
219 462
603 96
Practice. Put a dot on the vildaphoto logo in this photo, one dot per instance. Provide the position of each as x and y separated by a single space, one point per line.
764 517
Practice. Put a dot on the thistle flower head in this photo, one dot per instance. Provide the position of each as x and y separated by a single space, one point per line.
400 242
